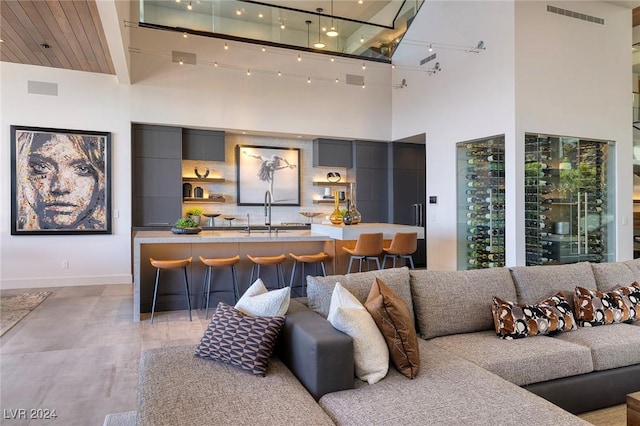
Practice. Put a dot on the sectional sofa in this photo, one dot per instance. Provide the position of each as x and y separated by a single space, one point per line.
467 374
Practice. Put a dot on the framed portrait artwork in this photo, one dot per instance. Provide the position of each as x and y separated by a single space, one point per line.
263 168
60 181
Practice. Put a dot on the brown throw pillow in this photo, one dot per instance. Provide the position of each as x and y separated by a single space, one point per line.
631 296
241 340
595 308
394 320
514 321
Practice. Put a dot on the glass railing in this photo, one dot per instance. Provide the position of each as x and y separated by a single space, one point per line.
374 38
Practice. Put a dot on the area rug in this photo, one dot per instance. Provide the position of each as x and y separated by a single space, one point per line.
14 308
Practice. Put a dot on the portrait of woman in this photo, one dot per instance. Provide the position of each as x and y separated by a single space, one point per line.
60 181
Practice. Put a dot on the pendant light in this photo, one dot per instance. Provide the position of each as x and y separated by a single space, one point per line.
319 44
332 32
308 32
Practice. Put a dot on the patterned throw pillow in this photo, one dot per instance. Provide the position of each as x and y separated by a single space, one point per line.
595 308
631 296
394 320
241 340
514 321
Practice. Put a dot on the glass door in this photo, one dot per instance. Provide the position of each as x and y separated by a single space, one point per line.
569 200
481 203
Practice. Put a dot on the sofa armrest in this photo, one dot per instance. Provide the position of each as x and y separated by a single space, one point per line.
320 356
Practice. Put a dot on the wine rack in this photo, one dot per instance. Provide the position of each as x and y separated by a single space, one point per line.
566 199
481 184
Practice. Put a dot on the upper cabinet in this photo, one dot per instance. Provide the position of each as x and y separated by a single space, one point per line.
205 145
332 153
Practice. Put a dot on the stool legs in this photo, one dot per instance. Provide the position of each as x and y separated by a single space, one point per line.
279 274
303 282
186 287
360 259
155 293
206 287
408 257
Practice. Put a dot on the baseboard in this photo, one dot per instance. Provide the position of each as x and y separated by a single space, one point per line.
76 281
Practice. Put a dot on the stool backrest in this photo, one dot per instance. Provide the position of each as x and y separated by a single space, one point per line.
369 244
404 243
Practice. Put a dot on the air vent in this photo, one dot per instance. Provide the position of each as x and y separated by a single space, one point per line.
356 80
42 88
577 15
185 57
428 59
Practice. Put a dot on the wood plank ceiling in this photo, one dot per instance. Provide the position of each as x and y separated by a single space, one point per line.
54 33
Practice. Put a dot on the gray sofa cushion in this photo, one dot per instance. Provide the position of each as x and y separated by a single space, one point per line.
612 346
450 302
535 283
635 267
319 289
448 391
176 388
611 275
521 361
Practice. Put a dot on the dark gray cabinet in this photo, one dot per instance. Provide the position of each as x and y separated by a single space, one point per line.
409 189
157 171
370 163
332 153
205 145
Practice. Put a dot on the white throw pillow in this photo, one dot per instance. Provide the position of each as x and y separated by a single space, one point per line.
258 301
370 351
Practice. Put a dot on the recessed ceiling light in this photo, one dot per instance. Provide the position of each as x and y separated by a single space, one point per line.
260 15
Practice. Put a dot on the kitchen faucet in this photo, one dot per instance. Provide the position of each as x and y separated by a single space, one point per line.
267 209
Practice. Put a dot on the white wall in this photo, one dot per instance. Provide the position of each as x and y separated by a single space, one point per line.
225 97
166 93
572 79
472 97
85 101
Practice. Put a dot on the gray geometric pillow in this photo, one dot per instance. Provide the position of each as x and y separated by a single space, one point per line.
241 340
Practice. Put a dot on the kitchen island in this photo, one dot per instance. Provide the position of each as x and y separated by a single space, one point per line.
217 243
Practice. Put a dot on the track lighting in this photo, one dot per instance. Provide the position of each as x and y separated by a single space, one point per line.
181 62
190 6
226 46
436 68
431 48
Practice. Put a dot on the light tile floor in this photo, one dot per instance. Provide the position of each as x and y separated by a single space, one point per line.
77 353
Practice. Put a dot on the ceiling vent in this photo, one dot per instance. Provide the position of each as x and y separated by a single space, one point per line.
428 59
356 80
577 15
183 57
42 88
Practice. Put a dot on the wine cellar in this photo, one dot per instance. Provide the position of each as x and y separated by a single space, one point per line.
568 200
481 207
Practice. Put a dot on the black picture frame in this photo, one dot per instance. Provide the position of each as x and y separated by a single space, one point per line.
60 181
265 168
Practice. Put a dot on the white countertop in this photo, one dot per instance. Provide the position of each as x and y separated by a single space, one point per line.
168 237
351 232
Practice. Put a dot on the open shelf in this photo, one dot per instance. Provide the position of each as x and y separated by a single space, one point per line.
202 200
327 201
327 183
203 180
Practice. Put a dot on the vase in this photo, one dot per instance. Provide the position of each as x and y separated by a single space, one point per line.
336 217
347 218
356 217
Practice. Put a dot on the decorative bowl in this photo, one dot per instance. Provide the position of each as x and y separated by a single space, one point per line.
195 230
310 214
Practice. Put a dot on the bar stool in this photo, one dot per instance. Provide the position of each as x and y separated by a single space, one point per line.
218 262
268 260
368 247
170 264
304 259
403 245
